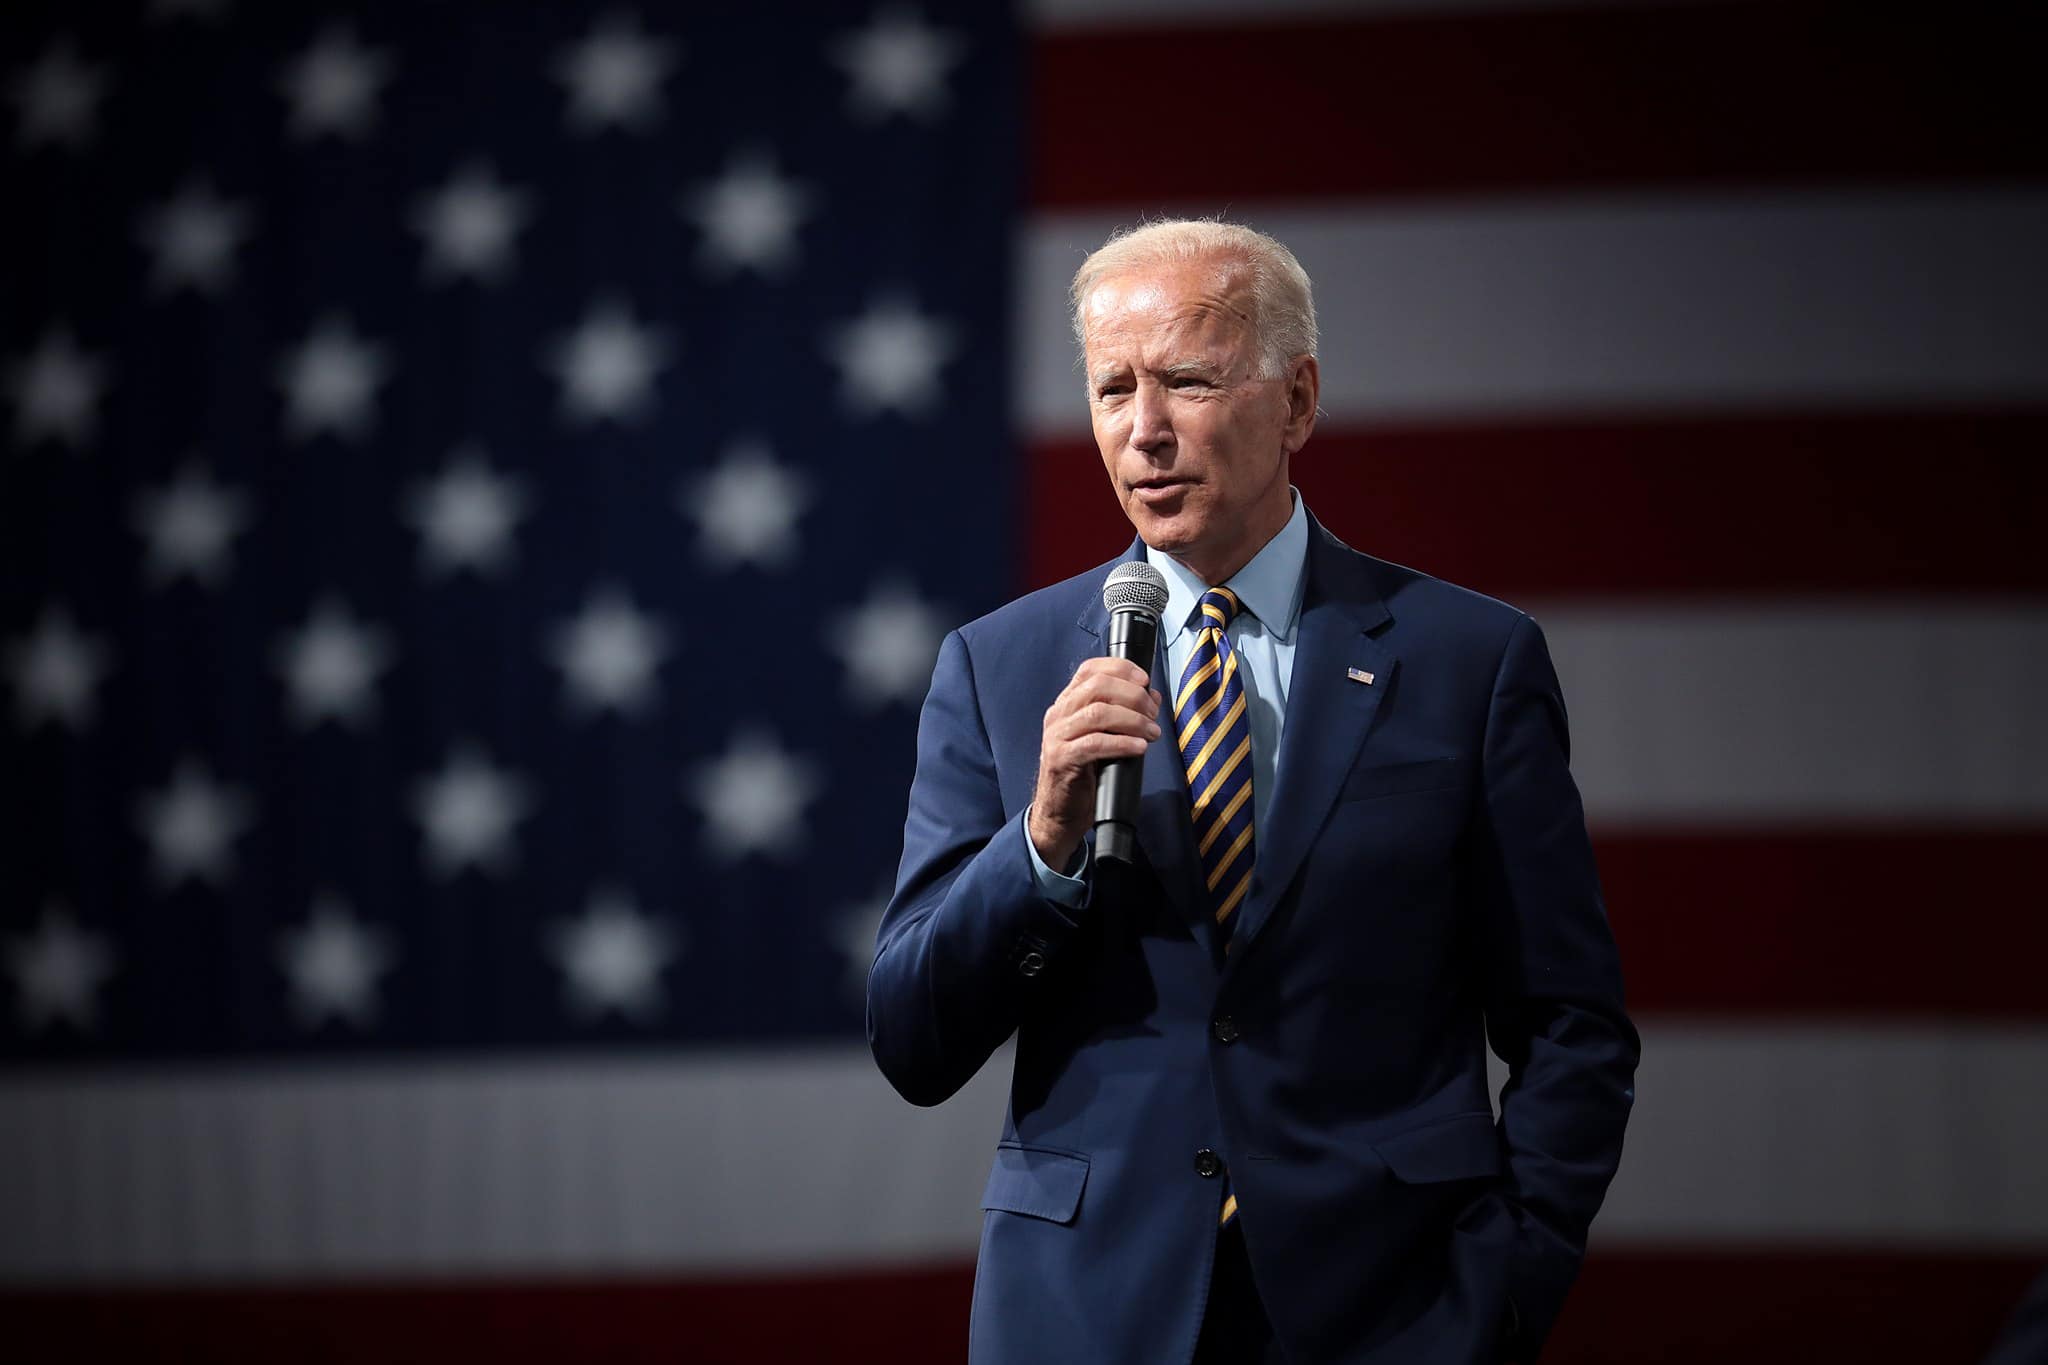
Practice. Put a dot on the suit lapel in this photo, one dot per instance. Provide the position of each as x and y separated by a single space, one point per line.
1329 712
1166 823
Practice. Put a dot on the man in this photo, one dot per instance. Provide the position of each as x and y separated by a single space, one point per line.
1249 1118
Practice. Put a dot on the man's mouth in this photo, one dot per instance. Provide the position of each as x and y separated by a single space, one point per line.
1161 494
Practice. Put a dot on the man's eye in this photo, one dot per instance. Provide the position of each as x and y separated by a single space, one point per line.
1188 381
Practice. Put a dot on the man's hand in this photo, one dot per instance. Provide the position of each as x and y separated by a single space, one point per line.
1107 711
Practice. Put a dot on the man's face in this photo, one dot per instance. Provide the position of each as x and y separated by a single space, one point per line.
1195 444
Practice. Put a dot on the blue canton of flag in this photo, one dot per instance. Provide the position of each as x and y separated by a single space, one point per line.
486 484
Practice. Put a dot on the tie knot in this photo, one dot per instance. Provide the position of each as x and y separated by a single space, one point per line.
1218 606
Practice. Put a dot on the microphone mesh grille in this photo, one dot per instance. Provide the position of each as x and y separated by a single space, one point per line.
1135 584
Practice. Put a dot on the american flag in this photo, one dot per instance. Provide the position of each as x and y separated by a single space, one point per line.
486 482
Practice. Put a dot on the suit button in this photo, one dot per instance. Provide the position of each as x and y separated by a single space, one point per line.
1224 1029
1031 964
1208 1165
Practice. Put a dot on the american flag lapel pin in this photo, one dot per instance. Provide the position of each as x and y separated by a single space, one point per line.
1359 675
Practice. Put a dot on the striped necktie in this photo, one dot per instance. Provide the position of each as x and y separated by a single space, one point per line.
1216 751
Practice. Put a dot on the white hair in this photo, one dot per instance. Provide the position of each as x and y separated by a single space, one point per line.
1283 311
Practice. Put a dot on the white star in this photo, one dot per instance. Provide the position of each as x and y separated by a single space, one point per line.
188 524
334 960
465 515
607 365
612 956
56 390
192 825
753 797
56 669
614 76
57 972
330 666
467 812
889 358
58 97
854 934
888 644
469 224
746 509
748 217
897 65
608 654
333 85
193 237
330 382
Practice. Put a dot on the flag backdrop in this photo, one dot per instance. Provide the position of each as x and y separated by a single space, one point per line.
485 482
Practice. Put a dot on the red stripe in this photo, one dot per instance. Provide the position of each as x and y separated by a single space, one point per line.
883 1318
1886 923
1596 97
1676 1308
1869 503
1763 1306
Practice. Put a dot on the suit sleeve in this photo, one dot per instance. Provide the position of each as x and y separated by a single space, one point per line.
1552 982
969 936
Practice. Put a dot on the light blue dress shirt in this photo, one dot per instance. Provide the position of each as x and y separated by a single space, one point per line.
1262 633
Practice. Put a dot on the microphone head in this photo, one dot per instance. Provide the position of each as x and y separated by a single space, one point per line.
1135 585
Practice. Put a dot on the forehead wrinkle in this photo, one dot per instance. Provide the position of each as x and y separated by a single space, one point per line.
1219 298
1143 317
1194 330
1170 369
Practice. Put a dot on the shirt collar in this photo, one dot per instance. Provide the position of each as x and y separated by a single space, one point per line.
1269 586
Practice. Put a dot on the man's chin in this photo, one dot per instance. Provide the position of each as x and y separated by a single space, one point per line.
1167 534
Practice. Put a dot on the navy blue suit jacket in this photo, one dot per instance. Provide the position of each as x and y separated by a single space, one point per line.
1423 884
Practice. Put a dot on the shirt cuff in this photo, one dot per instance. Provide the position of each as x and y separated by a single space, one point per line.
1060 888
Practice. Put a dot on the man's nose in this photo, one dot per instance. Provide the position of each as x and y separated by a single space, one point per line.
1151 428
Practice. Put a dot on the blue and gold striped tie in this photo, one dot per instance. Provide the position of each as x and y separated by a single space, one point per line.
1216 751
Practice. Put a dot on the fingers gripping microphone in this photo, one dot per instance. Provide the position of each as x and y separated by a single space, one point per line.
1135 594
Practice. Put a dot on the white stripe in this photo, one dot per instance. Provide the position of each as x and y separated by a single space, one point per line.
1835 712
1610 304
1900 1136
775 1160
1835 1134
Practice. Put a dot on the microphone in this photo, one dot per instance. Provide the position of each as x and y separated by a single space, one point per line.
1135 594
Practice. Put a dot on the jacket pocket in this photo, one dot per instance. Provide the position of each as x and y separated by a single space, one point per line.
1461 1147
1037 1182
1430 774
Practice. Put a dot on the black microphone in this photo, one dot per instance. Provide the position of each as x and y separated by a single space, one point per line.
1135 594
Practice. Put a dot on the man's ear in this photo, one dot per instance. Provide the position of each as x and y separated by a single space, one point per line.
1304 386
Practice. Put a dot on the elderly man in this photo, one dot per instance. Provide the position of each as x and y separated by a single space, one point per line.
1249 1119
